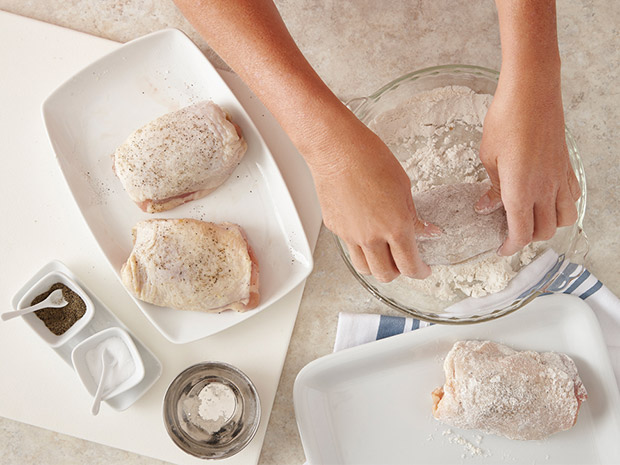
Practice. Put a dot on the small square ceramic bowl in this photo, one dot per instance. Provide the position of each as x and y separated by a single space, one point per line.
88 353
42 286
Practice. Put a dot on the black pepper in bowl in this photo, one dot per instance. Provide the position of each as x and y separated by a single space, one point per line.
59 320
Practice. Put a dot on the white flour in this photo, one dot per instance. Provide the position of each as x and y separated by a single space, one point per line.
217 402
436 136
469 449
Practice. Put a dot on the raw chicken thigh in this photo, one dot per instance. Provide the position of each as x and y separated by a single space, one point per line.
188 264
179 157
516 394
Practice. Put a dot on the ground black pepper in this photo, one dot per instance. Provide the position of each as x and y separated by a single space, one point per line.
59 320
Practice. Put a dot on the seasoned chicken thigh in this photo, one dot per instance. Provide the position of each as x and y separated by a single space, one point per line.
516 394
188 264
179 157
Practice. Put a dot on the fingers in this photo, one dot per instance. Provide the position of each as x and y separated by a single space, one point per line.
545 221
427 230
539 223
380 261
568 194
573 185
566 210
385 260
405 250
526 224
489 202
407 258
358 259
520 230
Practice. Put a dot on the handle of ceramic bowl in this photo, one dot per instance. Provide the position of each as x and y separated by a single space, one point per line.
355 103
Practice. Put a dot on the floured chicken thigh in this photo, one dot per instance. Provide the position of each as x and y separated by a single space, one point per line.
179 157
188 264
516 394
465 233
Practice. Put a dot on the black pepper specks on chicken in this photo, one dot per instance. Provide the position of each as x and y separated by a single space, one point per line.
178 157
189 264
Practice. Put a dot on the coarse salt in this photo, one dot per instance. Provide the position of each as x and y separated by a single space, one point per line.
119 372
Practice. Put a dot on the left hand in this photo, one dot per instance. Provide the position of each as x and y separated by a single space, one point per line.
524 152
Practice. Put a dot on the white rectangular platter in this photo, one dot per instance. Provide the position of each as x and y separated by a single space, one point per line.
93 113
372 404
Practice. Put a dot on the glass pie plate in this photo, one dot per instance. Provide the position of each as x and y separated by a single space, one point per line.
569 243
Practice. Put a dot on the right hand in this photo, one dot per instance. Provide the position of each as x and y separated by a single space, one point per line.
524 152
366 200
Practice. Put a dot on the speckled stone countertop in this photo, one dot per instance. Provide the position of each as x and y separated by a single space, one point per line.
357 47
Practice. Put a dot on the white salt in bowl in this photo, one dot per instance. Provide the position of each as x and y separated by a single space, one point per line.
81 366
570 243
37 325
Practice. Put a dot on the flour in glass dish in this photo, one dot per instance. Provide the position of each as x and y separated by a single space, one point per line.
436 136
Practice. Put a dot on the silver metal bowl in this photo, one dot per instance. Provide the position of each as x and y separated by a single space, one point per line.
211 437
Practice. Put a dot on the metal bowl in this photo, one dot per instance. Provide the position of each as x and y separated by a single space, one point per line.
210 436
570 243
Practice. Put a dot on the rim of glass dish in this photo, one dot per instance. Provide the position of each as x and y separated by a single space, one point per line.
576 163
431 70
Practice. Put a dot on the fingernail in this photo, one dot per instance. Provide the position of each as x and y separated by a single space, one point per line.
426 271
502 251
431 230
485 205
483 202
423 273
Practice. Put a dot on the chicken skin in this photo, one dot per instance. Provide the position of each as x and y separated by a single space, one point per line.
179 157
188 264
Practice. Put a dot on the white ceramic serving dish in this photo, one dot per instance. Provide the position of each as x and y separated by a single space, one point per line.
91 114
102 319
32 320
372 403
80 363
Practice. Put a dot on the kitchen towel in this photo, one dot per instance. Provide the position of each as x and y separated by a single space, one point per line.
355 329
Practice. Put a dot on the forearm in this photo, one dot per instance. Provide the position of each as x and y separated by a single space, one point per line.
528 33
252 38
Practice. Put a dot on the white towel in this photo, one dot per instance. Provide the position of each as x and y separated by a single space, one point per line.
355 329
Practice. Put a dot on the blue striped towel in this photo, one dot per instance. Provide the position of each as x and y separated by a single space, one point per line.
355 329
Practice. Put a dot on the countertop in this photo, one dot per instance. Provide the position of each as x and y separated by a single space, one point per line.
356 48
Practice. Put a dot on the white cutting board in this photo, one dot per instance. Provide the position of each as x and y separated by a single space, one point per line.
41 222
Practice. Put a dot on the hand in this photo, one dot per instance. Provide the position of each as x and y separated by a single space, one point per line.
524 152
364 193
365 198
